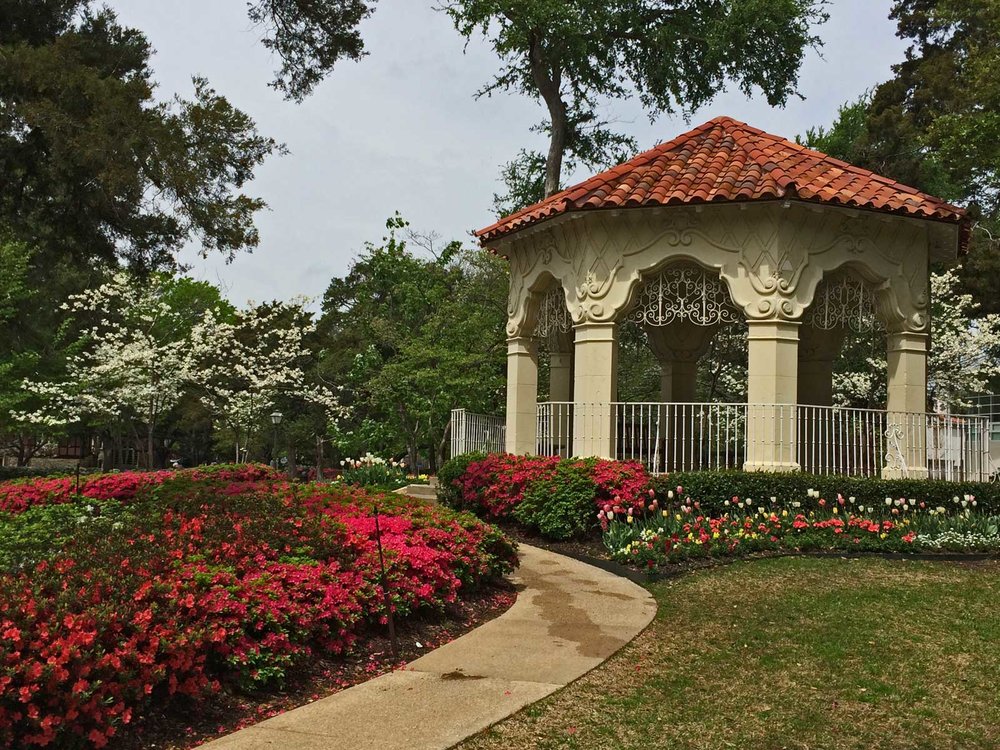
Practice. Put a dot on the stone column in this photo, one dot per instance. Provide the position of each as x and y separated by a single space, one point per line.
557 419
561 367
522 395
818 350
906 437
678 347
595 368
772 388
821 444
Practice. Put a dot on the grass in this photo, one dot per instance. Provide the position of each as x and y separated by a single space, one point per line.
796 653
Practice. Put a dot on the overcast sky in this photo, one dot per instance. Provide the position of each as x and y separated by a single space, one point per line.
401 130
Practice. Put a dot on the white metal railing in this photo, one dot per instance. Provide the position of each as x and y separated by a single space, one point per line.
477 432
818 439
555 429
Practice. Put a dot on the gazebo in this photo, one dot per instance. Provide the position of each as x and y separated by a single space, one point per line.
721 225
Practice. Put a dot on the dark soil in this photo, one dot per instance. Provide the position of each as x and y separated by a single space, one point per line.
190 723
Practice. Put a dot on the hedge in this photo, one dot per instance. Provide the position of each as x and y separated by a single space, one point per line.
714 489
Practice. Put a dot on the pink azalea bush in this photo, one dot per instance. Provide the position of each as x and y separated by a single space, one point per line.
188 583
497 485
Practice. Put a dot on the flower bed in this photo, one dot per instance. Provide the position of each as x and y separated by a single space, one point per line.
650 521
187 583
18 496
680 527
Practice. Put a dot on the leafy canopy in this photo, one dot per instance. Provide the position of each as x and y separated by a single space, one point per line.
675 54
93 165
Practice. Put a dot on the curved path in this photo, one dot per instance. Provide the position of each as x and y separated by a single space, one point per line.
568 618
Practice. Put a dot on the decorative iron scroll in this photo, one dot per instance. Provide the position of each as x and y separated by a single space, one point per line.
684 294
843 301
553 315
894 458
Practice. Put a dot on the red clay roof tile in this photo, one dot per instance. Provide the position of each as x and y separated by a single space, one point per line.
727 160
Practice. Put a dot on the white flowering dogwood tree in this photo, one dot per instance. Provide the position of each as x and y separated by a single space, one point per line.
140 344
129 361
242 366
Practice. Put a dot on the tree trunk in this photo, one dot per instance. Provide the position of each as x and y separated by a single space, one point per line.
443 444
319 458
548 82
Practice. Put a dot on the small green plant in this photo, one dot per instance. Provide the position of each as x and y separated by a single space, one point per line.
563 506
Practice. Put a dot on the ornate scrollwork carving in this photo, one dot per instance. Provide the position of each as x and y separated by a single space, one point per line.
553 315
844 301
685 293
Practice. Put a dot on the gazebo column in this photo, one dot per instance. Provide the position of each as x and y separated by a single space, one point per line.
906 438
772 388
595 375
678 347
561 367
522 395
820 445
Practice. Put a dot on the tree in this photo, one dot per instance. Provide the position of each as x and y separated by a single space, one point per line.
128 363
310 37
411 337
676 55
242 366
93 166
964 354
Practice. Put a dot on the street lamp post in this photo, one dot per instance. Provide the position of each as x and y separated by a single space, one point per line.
275 420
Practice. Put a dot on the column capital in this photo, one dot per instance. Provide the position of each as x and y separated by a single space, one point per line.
595 332
522 345
774 329
907 341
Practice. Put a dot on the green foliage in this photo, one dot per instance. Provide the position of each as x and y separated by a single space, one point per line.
676 56
410 336
563 506
94 166
715 489
309 37
934 124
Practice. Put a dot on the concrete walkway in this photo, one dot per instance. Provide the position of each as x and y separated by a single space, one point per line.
569 617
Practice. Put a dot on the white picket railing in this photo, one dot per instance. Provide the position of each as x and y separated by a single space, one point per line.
477 432
820 439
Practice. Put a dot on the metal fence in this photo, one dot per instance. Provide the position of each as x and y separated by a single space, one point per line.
819 439
477 432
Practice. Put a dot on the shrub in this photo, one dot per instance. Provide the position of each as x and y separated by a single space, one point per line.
186 585
449 493
18 496
560 506
499 484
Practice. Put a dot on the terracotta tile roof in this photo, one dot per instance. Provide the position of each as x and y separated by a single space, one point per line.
727 160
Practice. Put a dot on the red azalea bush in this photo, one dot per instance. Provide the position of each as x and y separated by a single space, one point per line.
202 583
495 485
18 496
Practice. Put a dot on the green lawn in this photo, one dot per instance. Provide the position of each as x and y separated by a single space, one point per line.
793 653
